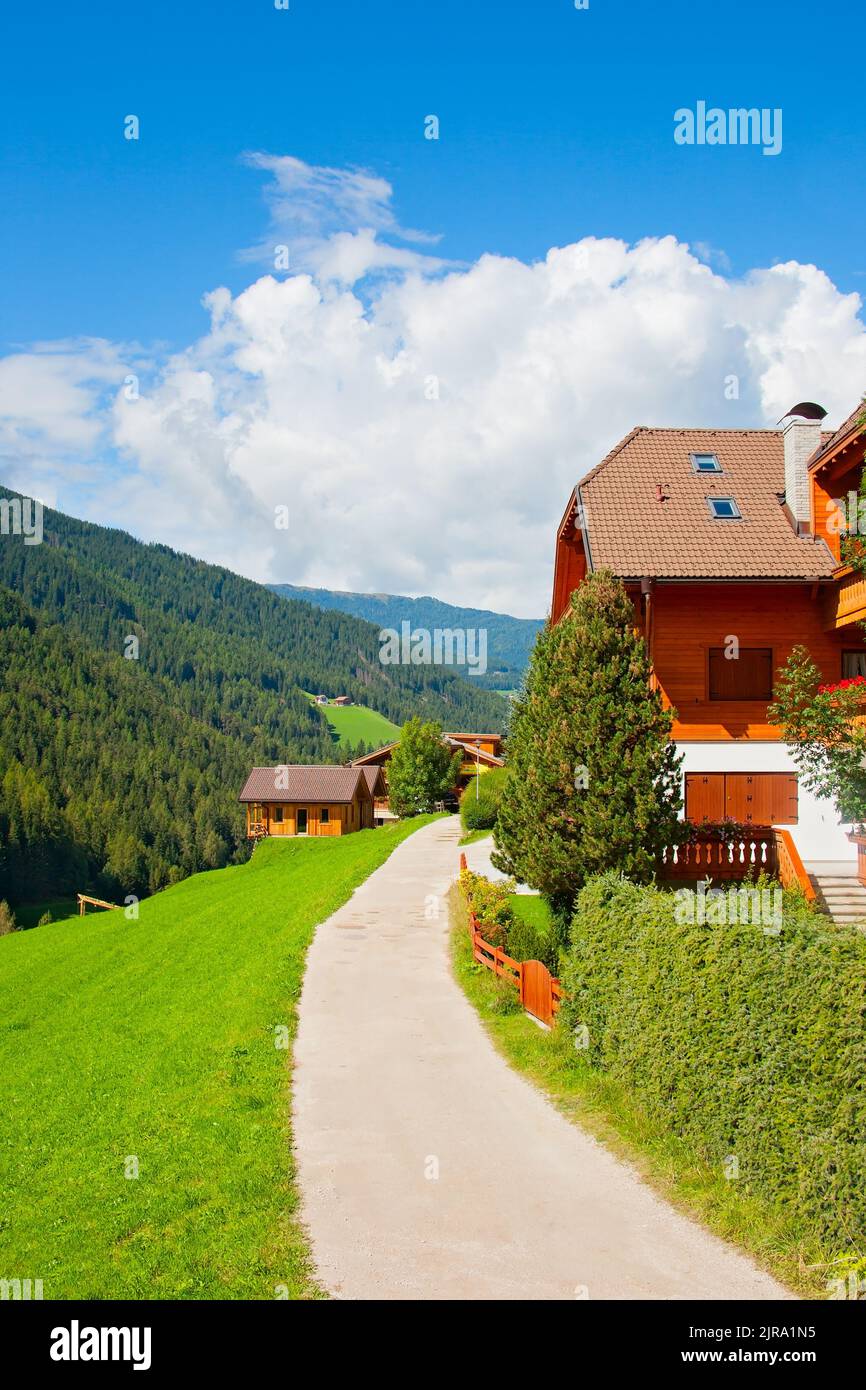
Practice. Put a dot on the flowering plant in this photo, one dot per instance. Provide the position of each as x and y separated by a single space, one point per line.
841 685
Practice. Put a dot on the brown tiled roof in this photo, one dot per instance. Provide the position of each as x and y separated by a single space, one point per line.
829 441
302 784
372 773
634 534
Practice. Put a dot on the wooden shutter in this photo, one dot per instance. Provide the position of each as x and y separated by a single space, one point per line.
785 798
761 798
705 796
749 677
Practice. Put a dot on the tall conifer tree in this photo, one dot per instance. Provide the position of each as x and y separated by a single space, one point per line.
594 778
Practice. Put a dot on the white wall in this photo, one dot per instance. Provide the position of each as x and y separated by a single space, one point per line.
818 835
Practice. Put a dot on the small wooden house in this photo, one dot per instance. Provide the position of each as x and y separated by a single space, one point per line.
294 800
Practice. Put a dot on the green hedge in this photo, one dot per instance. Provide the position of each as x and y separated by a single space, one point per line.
480 813
744 1043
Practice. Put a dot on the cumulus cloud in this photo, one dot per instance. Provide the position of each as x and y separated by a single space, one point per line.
425 437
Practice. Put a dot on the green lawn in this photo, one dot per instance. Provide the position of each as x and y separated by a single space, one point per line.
352 723
155 1041
532 908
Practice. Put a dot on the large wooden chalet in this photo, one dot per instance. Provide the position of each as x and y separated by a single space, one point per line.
731 534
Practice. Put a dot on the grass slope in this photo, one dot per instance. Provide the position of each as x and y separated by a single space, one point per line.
156 1039
352 723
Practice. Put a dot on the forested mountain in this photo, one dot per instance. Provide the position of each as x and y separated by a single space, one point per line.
509 640
137 686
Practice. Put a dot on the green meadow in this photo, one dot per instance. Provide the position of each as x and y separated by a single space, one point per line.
145 1131
354 723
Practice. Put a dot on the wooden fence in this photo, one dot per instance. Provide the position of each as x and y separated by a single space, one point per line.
540 993
766 849
83 900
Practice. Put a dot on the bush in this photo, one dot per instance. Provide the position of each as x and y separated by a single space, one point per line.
45 920
7 920
480 813
489 902
525 942
744 1043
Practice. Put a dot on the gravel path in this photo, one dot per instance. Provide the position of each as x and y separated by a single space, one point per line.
428 1168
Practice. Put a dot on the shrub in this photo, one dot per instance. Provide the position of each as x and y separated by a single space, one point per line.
489 902
479 813
7 920
742 1042
45 920
525 942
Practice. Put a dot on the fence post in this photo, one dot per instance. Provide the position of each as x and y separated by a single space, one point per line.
462 861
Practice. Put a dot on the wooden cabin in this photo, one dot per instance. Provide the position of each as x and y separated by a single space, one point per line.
294 800
482 752
722 540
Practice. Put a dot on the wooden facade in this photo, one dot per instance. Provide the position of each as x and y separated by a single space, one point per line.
716 644
684 624
318 801
309 818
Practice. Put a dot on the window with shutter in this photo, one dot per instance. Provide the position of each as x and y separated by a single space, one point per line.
748 676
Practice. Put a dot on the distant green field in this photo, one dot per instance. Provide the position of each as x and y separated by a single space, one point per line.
154 1043
352 723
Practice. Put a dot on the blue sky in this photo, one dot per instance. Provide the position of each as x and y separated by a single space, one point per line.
554 124
386 375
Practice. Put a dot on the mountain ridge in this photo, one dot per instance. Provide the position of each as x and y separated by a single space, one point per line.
510 640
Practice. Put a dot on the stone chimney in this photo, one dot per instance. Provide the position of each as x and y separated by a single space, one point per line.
801 432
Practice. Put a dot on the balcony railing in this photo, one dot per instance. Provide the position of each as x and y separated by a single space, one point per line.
845 601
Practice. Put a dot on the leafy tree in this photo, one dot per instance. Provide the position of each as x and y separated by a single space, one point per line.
593 777
827 745
422 769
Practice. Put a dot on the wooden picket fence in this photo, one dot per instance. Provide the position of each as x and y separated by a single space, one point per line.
540 992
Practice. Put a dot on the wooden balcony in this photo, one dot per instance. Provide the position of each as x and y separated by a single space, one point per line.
766 849
845 602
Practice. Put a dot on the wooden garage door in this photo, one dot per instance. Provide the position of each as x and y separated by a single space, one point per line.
763 798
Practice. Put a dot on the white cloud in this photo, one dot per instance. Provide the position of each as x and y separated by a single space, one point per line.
313 392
